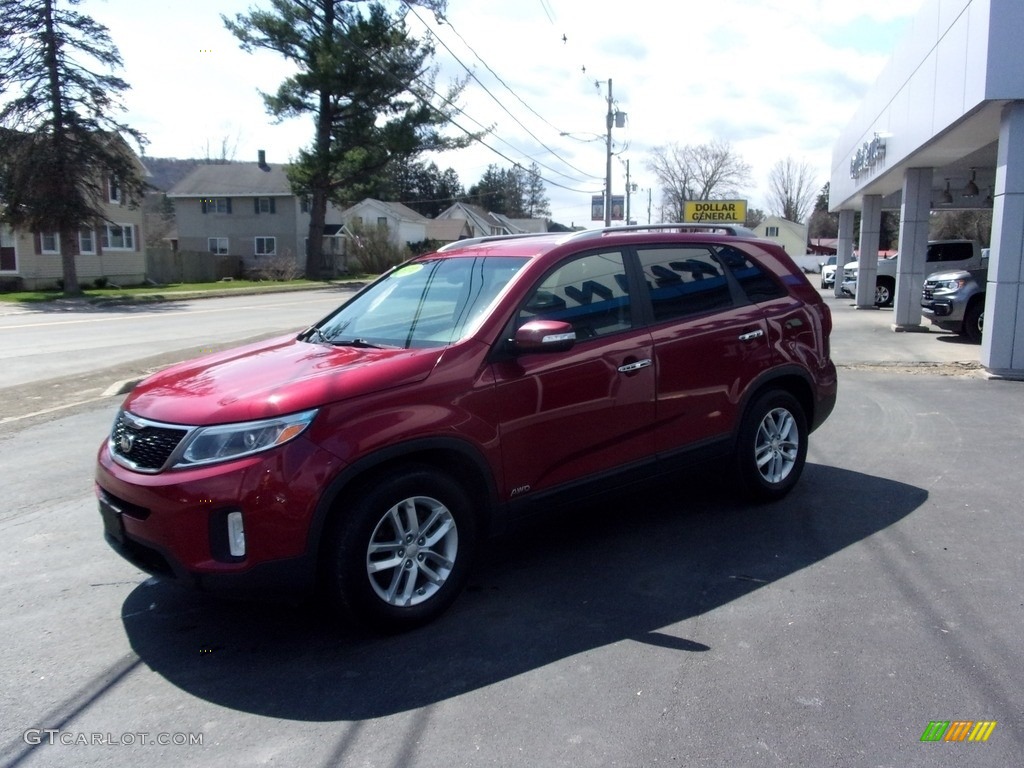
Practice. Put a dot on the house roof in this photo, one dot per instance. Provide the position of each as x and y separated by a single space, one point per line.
396 210
228 179
448 230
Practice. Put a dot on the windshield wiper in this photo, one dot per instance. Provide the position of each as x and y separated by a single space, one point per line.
361 343
314 335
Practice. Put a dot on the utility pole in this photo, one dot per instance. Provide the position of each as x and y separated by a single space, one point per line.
607 163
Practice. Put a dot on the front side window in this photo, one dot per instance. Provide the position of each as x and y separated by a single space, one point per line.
771 231
266 246
113 189
429 303
590 292
118 237
218 245
684 280
265 205
49 242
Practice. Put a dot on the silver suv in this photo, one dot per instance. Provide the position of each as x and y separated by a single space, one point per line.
955 300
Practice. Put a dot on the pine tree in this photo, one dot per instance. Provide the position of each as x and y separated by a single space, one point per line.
59 140
366 82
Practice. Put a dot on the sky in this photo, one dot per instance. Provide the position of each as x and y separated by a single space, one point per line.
773 78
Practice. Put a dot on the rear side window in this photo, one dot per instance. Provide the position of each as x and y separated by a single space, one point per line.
684 280
589 291
754 279
950 252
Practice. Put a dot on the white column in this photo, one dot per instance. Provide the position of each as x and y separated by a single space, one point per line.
844 248
1002 347
870 230
913 244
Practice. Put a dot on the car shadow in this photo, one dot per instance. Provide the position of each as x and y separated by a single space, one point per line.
627 570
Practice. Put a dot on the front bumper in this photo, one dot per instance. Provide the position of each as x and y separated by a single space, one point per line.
173 524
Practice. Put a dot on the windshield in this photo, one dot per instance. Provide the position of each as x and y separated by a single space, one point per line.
430 303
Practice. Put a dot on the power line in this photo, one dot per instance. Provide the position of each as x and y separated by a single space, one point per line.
472 74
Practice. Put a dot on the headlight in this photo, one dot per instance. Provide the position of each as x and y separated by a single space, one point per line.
232 441
948 286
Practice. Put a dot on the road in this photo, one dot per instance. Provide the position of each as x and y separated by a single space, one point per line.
58 354
62 339
671 626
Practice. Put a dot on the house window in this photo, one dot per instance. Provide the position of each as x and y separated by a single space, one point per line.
86 241
8 251
266 246
118 237
265 205
218 245
771 231
113 189
382 222
49 242
216 204
357 221
305 205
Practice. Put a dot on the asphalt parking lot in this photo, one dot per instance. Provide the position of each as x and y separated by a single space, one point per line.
670 625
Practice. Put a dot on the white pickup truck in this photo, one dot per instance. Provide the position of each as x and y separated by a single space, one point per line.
942 255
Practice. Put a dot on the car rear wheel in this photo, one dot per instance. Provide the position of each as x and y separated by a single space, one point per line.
400 553
772 446
885 290
974 322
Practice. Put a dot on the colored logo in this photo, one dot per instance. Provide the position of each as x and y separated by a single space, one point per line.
958 730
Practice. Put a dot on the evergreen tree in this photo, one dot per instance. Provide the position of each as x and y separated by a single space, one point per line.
60 144
366 82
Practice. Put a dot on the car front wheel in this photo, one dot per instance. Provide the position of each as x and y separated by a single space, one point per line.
772 446
400 554
974 322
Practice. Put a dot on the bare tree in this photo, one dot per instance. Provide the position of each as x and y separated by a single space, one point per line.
792 189
697 172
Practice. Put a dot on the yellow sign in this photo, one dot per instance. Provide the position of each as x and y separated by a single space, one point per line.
732 211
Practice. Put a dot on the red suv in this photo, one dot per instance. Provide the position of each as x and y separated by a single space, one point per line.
373 453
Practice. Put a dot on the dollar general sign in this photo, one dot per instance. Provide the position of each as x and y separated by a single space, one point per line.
732 211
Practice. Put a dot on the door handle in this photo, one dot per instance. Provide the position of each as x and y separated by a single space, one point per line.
630 367
751 335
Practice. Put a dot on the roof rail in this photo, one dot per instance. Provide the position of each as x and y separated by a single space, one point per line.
680 226
490 239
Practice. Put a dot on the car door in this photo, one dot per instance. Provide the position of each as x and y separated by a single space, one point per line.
710 342
569 415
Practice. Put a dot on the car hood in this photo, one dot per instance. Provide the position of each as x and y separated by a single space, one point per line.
273 377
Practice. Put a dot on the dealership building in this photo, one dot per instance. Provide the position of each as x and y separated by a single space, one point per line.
943 129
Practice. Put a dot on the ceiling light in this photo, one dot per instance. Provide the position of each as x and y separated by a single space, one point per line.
971 190
947 196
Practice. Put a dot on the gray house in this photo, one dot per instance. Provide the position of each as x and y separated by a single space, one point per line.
248 211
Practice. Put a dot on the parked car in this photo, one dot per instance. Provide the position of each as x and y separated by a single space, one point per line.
828 272
375 452
941 254
955 301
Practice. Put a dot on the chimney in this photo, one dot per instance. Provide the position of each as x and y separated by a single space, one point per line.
263 160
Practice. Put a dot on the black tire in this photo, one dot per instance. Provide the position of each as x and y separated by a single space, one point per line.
772 446
885 291
974 322
400 549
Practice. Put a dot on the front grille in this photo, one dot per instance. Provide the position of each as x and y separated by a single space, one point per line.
143 445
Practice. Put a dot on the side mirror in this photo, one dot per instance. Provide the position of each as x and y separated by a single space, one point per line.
543 336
